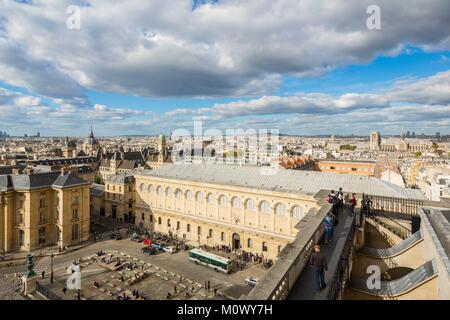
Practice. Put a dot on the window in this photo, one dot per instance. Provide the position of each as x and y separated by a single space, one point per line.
264 207
189 195
222 236
223 200
264 247
21 238
297 212
168 192
280 210
236 202
42 235
114 188
74 232
211 198
250 205
249 243
21 202
42 203
159 220
42 216
143 216
178 225
210 233
151 218
188 228
199 230
75 214
199 196
179 194
151 189
120 189
20 218
168 223
159 190
75 200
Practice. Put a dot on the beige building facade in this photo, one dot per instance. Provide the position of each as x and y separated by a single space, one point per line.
42 210
205 213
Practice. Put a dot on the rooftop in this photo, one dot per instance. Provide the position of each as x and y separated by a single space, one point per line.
289 181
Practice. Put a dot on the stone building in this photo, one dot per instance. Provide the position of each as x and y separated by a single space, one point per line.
120 197
43 209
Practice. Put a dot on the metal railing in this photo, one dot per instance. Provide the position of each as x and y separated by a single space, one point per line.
398 208
342 272
392 225
47 292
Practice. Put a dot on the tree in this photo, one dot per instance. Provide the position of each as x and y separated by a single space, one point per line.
97 179
418 154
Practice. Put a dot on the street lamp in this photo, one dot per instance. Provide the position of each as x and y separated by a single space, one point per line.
51 268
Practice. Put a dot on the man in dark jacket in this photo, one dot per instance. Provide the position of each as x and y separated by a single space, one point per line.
319 263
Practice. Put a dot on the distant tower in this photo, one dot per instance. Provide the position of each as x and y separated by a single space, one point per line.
375 140
69 148
162 150
91 145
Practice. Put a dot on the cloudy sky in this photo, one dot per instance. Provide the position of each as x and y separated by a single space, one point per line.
149 67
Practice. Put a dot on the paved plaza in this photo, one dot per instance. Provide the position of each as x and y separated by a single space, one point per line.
153 276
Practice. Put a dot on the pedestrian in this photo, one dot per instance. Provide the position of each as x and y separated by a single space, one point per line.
215 291
175 289
181 279
64 290
206 285
43 274
209 285
341 198
328 225
318 261
353 203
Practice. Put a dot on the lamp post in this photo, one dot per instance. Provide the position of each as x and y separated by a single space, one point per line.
51 268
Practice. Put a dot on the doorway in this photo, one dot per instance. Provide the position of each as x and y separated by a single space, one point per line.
236 241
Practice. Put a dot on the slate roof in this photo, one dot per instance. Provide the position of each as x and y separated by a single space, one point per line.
289 181
38 180
68 180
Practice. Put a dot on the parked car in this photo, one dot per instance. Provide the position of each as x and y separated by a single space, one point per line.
116 236
252 281
148 250
136 238
170 249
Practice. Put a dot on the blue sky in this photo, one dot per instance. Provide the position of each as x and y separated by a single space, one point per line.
300 67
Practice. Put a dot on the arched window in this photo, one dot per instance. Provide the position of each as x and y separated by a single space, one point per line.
264 247
143 216
223 200
264 207
297 212
168 191
179 194
211 198
142 187
151 189
188 195
159 190
249 243
250 205
280 209
199 196
236 202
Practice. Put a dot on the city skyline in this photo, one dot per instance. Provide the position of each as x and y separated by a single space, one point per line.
302 73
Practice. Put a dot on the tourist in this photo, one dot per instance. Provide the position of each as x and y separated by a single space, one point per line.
43 274
319 263
64 290
353 203
341 198
328 225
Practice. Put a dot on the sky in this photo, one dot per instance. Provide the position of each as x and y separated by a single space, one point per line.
306 67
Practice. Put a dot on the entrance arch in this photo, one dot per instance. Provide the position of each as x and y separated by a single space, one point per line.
236 241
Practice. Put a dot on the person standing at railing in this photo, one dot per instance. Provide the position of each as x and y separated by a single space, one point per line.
319 262
328 225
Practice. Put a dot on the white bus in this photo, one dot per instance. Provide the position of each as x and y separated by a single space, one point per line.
211 260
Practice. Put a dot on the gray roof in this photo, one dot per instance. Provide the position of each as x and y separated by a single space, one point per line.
27 182
37 180
68 180
97 190
290 181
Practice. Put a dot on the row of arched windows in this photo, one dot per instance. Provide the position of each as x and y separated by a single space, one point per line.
236 202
